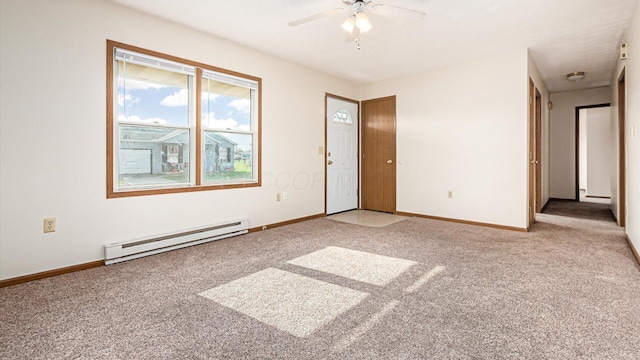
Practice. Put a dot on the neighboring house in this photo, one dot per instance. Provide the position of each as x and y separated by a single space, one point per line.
146 150
218 153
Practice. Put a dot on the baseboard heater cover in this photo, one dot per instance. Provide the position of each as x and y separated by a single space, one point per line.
118 252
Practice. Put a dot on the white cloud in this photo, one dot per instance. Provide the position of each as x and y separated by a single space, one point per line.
209 120
128 99
209 96
180 98
137 119
244 142
131 84
242 105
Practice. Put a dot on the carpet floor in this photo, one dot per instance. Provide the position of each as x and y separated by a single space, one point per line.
323 289
582 210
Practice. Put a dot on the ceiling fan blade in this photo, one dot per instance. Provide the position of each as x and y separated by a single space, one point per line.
316 17
396 11
353 36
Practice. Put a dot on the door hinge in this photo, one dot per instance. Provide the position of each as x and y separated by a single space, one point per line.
530 99
363 155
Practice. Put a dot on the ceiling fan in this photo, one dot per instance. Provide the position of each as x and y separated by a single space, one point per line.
357 21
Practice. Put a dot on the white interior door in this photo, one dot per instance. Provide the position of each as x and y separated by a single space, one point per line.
342 155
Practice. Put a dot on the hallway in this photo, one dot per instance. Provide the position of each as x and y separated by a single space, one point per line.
581 210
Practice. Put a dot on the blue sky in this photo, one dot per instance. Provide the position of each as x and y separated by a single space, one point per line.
149 103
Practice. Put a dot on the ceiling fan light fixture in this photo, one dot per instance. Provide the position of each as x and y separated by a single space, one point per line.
575 76
362 22
349 24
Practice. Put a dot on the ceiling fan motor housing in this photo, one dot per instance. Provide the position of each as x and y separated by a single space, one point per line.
358 6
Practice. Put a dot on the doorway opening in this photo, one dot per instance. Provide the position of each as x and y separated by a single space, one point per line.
593 153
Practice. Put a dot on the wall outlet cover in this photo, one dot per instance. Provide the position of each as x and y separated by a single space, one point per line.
49 225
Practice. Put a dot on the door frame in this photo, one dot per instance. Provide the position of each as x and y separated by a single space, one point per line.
538 151
622 160
531 155
577 135
357 123
534 158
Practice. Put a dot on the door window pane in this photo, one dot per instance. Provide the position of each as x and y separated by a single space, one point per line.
342 116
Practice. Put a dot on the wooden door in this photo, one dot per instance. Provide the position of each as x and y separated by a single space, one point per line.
379 154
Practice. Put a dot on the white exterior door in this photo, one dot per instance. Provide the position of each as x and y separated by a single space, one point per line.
342 155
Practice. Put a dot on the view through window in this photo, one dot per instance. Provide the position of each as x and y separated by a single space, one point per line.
165 137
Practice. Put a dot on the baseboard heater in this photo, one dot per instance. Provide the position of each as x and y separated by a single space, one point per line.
119 252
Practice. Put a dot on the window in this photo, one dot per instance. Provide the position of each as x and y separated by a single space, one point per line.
177 125
342 116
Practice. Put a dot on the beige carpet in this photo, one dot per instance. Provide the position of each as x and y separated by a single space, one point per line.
323 289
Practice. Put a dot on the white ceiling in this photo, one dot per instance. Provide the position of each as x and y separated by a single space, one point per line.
562 35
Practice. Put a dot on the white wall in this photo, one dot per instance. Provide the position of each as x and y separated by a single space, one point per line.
463 128
53 131
563 138
599 155
632 131
535 76
582 182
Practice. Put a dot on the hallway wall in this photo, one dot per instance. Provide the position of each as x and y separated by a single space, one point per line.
563 138
632 130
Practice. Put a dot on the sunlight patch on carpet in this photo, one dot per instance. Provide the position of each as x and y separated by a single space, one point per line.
356 265
293 303
424 279
365 327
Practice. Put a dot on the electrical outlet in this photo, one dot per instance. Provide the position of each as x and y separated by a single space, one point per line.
285 196
450 194
49 225
278 196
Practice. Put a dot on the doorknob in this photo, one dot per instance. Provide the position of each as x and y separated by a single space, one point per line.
389 161
330 162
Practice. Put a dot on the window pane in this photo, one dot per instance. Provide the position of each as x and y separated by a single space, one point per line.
153 155
152 96
225 106
227 157
342 116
